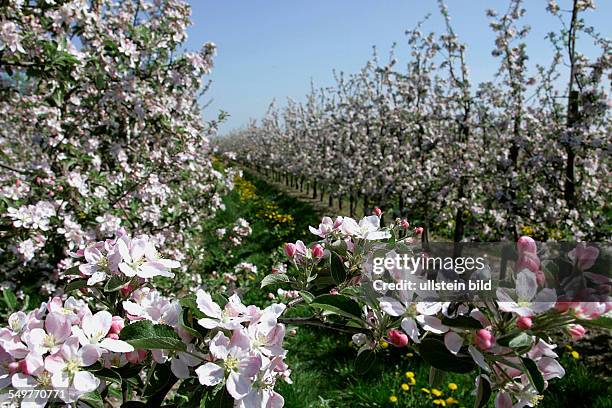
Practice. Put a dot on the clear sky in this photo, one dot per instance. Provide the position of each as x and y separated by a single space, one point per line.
271 49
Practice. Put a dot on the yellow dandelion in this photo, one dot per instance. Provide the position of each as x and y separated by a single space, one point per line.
425 390
409 374
412 381
409 355
384 344
439 402
575 355
405 387
436 392
451 401
452 386
393 399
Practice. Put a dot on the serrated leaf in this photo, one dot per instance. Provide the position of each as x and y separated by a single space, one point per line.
337 268
274 279
339 304
534 374
364 361
435 353
143 334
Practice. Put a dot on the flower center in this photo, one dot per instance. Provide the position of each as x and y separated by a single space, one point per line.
49 341
72 366
231 363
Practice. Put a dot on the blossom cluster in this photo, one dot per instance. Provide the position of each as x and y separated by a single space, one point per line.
66 343
506 337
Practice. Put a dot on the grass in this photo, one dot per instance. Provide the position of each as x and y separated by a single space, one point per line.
322 361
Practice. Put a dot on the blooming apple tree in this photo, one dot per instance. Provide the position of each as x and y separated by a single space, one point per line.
524 152
101 129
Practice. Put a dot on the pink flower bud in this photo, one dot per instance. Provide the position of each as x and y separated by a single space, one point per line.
13 367
418 230
290 249
377 211
483 339
576 331
126 290
270 296
137 356
405 224
117 325
292 332
23 367
526 245
317 251
275 270
398 338
113 336
338 222
524 323
528 261
334 291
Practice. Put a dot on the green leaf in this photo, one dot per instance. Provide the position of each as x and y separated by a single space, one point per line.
274 279
604 322
75 284
435 353
143 334
92 399
338 270
190 303
129 370
534 374
220 299
307 296
10 299
115 283
219 399
158 378
339 304
364 361
108 375
465 322
520 341
436 376
483 392
185 326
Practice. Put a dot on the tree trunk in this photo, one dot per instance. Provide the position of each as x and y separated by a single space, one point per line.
366 206
314 189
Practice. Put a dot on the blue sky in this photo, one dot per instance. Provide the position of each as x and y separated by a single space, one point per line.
271 49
